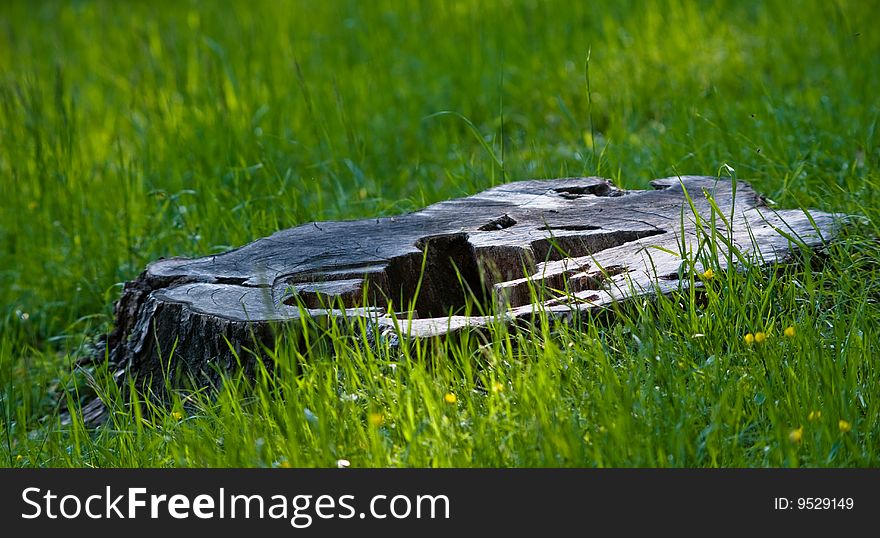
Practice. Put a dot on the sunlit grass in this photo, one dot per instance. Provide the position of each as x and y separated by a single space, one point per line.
130 132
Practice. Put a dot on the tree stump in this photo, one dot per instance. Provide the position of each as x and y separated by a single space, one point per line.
564 246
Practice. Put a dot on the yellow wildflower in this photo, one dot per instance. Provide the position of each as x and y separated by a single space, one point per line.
795 436
708 273
789 332
844 426
749 339
497 387
760 337
814 415
450 398
376 419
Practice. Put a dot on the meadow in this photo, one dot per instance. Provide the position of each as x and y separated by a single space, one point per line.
130 131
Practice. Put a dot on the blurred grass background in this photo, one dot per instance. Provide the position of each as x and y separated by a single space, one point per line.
130 131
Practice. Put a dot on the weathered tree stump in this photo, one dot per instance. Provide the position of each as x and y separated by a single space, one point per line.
563 246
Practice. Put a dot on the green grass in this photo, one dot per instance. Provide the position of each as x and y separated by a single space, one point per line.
130 131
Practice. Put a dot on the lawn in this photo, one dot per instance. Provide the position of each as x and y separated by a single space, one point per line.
130 131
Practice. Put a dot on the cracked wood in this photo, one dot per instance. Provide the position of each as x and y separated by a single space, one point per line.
562 245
